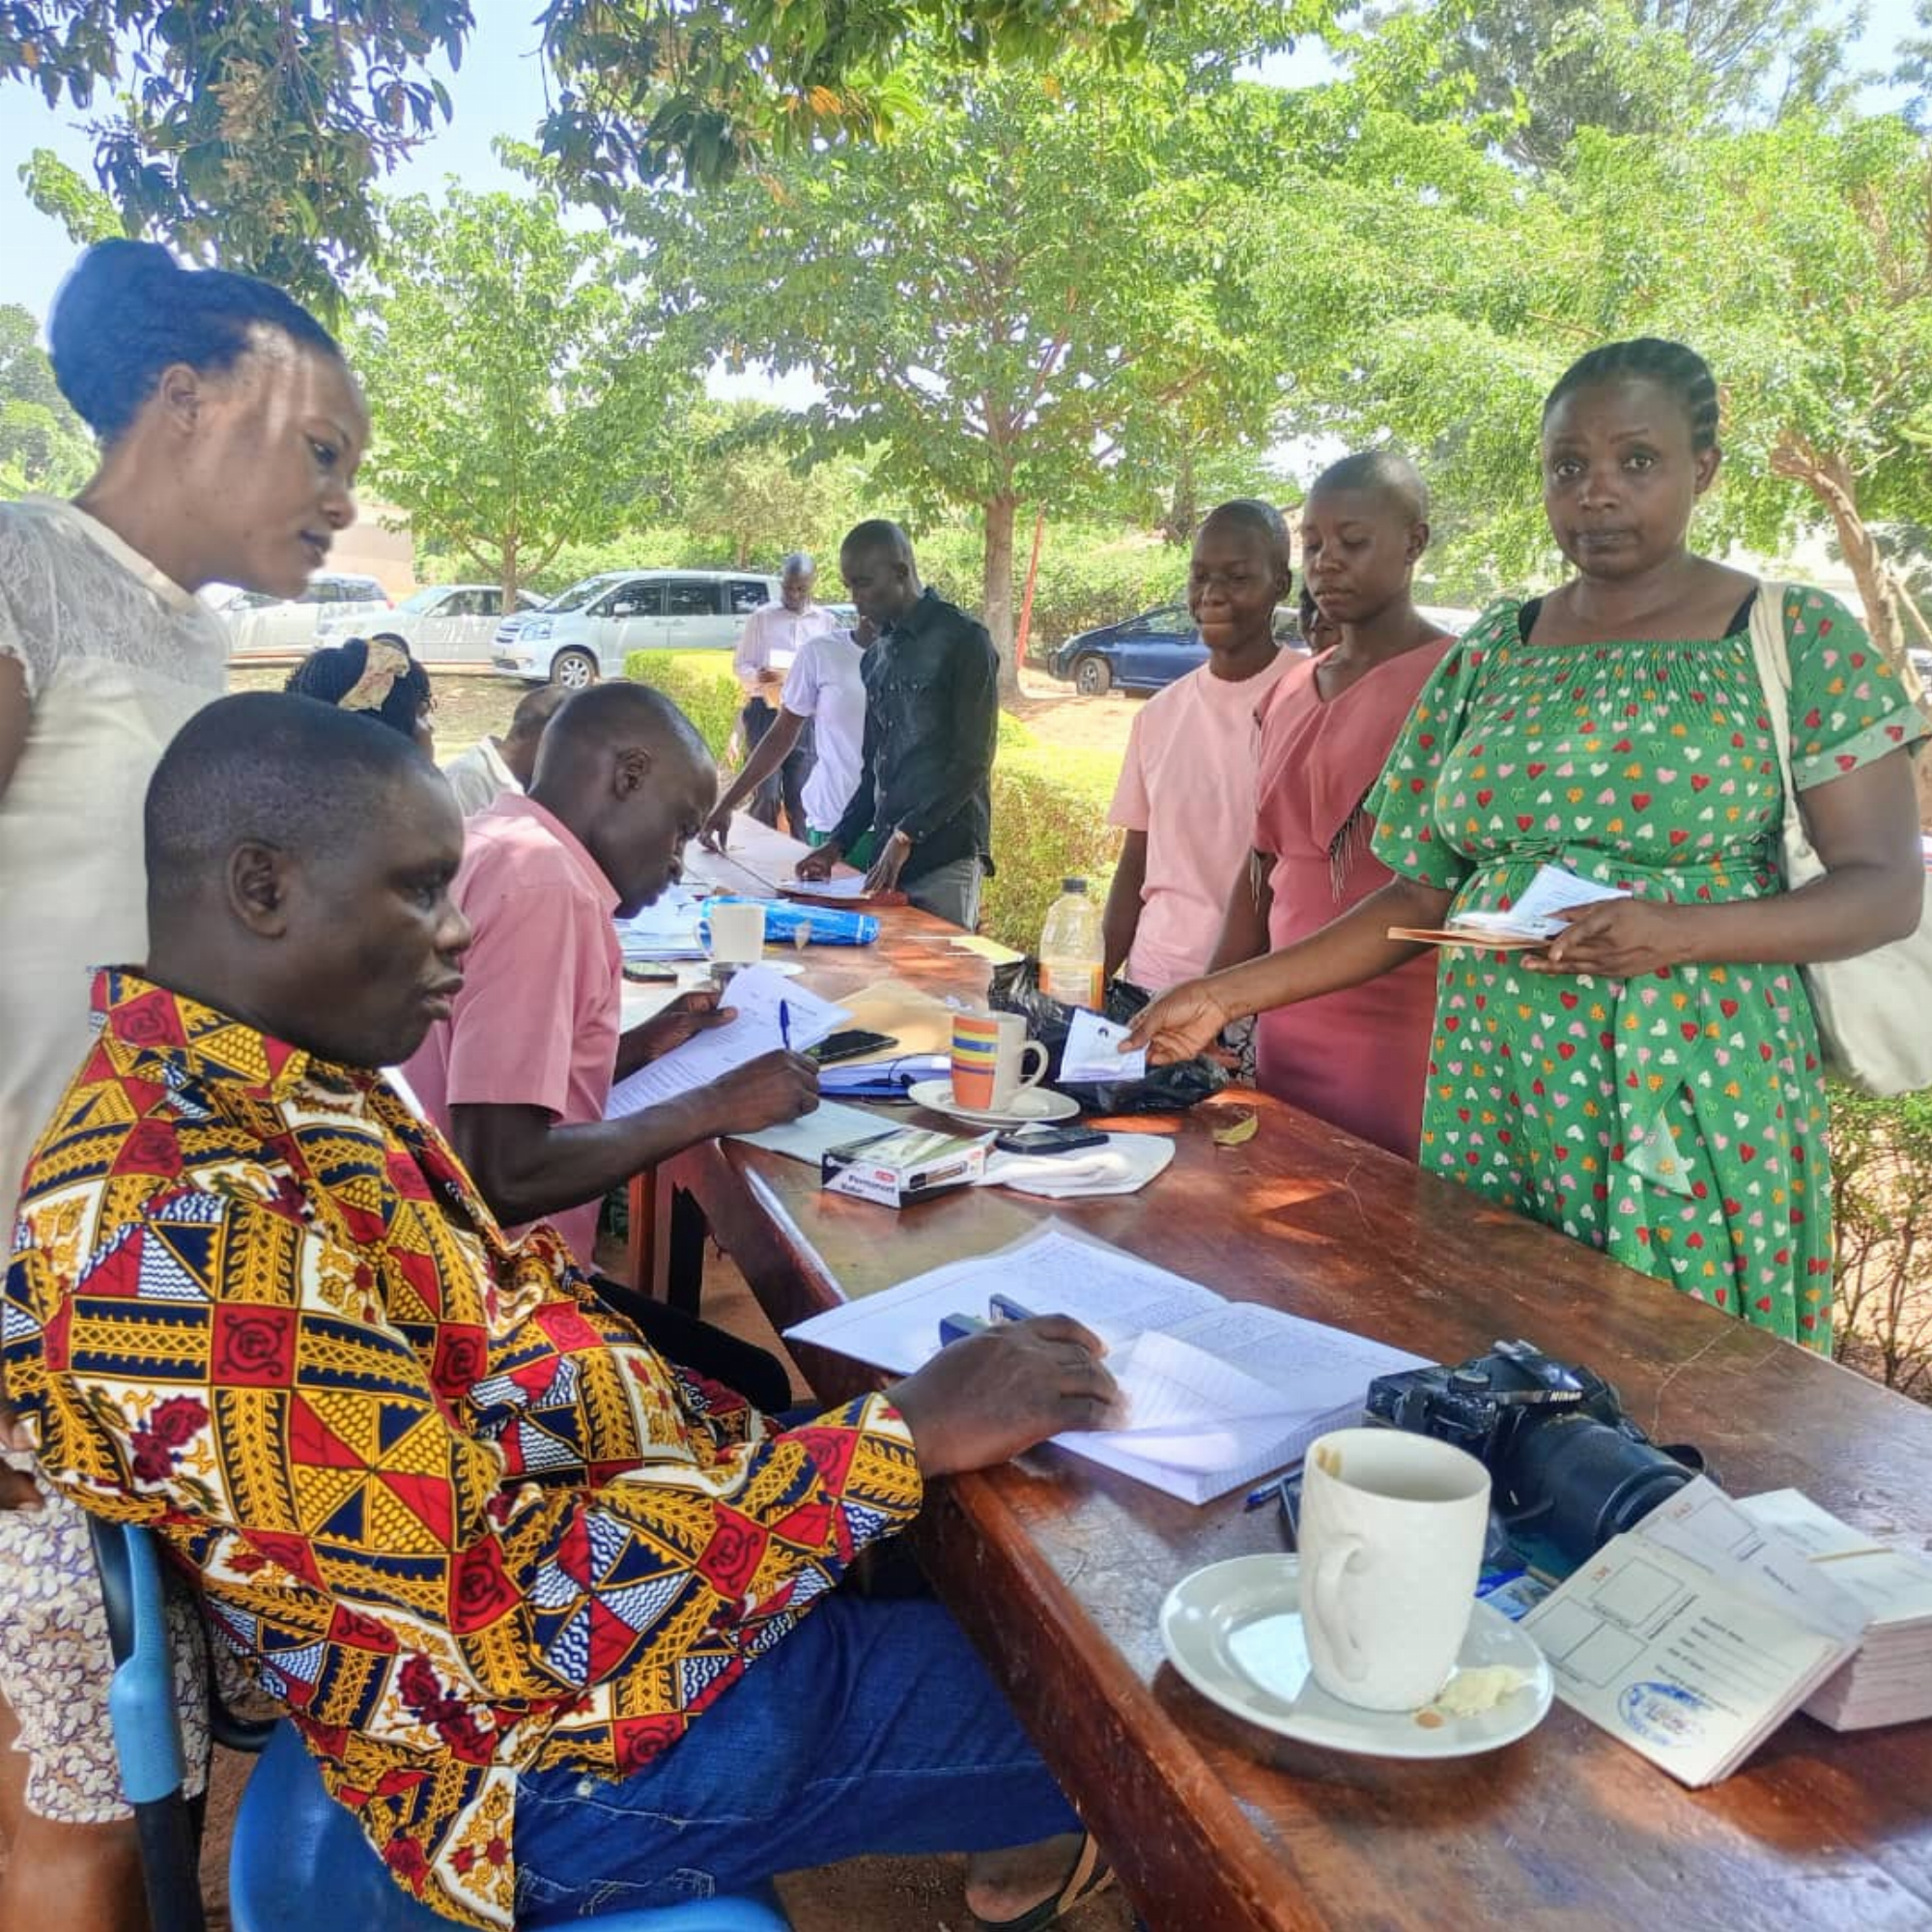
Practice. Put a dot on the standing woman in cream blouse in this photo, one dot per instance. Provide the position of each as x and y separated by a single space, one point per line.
230 429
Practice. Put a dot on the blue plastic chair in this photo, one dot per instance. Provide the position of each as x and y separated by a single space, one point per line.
298 1862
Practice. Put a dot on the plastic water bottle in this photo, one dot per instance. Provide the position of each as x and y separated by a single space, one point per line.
1073 949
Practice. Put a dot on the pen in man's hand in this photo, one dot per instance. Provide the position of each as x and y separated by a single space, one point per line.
1004 1308
785 1025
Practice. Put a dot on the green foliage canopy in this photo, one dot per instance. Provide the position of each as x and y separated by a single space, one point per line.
524 394
44 446
1042 272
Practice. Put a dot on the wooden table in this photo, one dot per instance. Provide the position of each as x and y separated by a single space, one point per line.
1059 1569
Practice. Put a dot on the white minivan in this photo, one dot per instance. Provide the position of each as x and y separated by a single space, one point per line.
585 633
442 623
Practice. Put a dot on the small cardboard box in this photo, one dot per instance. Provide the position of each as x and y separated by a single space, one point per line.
904 1164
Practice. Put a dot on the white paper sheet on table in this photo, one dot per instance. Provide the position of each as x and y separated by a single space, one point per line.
757 994
1092 1052
813 1135
853 887
1219 1392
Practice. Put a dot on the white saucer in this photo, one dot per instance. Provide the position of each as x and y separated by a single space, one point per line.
1031 1104
1234 1631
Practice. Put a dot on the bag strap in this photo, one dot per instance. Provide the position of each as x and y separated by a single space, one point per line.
1772 654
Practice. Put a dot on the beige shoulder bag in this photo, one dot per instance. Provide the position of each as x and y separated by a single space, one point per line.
1874 1010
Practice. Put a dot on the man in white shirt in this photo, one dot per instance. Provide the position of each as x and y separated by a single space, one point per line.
493 766
824 695
773 638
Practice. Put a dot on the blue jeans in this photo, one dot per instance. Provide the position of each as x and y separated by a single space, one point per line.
873 1727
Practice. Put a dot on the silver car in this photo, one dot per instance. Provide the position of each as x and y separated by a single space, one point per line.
587 632
442 623
259 626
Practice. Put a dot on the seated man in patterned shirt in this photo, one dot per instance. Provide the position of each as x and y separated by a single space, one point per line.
495 1555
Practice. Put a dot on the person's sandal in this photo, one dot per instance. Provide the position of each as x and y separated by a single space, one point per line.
1091 1876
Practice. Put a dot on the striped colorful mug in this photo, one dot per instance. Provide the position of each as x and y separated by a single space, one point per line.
991 1058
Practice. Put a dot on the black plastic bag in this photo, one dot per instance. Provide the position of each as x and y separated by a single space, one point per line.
1167 1089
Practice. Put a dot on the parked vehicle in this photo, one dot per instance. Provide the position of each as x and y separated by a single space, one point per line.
259 626
1143 653
444 623
588 631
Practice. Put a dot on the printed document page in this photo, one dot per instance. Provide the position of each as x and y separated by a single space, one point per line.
1688 1671
1217 1392
757 995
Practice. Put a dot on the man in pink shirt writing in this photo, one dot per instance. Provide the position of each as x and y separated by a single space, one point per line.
519 1075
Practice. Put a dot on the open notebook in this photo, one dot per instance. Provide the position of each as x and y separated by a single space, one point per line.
1219 1393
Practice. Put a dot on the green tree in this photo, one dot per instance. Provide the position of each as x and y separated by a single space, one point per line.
1441 291
1040 276
746 491
257 131
251 132
1545 69
44 446
524 393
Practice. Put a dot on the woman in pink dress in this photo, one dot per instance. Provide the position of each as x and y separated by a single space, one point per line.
1357 1058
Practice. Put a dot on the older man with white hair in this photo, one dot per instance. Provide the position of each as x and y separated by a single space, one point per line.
772 639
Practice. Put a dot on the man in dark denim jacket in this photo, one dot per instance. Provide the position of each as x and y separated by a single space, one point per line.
932 722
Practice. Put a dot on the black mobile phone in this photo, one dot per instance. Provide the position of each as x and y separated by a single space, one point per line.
853 1044
1044 1139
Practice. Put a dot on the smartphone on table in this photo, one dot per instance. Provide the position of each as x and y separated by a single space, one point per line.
1046 1139
855 1043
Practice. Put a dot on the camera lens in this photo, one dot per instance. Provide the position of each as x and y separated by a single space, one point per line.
1583 1482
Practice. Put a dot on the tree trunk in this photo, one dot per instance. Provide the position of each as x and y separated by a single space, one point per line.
1183 518
997 589
1830 479
509 587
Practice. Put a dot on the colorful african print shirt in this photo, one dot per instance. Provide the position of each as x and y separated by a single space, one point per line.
1675 1121
463 1520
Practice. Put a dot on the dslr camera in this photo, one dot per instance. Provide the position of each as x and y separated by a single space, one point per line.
1568 1465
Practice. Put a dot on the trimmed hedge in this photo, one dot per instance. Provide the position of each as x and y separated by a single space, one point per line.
1049 823
701 683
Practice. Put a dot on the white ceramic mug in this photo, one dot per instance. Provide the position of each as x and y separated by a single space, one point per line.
737 931
1391 1539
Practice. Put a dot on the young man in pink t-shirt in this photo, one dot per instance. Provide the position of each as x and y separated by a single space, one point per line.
1186 792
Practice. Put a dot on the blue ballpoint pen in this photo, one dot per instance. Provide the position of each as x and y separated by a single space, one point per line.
785 1025
1004 1308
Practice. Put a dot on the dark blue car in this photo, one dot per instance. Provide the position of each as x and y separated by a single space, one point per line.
1145 653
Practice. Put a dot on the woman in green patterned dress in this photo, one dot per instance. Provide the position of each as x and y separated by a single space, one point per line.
1649 1082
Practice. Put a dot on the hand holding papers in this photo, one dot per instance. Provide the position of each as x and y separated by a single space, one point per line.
1093 1051
759 996
1538 913
1218 1393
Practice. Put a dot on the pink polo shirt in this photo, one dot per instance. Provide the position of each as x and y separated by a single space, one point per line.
1188 782
537 1020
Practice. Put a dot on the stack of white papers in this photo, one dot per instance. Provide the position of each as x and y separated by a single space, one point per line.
812 1136
1218 1393
1539 910
1693 1636
1890 1681
665 929
844 889
773 1012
